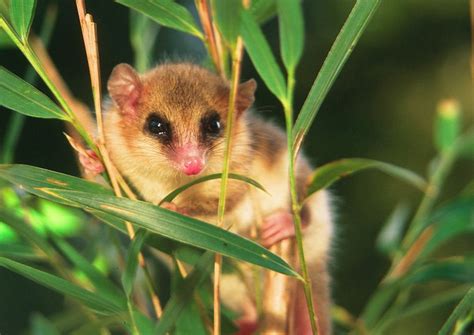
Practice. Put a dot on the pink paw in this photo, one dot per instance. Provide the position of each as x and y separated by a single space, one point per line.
276 227
173 207
91 162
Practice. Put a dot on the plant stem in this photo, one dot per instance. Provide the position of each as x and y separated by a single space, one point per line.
295 205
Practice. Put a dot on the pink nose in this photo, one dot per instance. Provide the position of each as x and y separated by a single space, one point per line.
192 165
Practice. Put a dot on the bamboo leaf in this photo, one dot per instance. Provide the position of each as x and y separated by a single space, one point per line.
459 269
21 15
5 40
170 197
19 252
338 55
128 275
290 19
100 282
263 10
23 98
464 306
91 196
327 174
227 16
143 33
262 56
180 228
167 13
391 234
94 300
42 326
184 294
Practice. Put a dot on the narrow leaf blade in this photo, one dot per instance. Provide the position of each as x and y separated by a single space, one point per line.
327 174
170 197
227 15
96 301
128 275
167 13
291 25
338 55
76 192
262 56
23 98
21 14
463 307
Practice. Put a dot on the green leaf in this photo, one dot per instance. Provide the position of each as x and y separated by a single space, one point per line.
100 282
23 98
184 294
452 220
27 232
447 125
5 40
91 196
94 300
227 16
464 306
170 197
262 56
459 269
167 13
180 228
19 252
263 10
338 55
143 33
128 275
21 15
391 234
327 174
290 19
42 326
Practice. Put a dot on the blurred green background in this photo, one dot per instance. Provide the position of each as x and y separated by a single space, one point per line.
382 106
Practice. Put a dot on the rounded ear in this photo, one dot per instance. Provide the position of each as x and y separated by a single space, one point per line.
124 88
245 95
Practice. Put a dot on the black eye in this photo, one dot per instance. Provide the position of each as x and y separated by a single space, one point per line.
211 124
158 127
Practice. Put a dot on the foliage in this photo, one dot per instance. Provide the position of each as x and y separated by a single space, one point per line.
36 246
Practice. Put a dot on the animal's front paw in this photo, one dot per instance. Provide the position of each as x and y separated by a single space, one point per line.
175 208
276 227
91 162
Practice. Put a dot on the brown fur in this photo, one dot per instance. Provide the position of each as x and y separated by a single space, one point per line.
183 93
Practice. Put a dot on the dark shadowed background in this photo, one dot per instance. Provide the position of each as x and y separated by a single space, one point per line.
382 106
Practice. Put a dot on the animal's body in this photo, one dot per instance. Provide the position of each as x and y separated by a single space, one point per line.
166 127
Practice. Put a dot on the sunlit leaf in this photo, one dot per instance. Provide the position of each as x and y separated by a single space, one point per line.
5 40
70 190
338 55
227 16
180 228
21 15
167 13
291 32
23 98
100 282
128 275
170 197
94 300
262 56
462 308
327 174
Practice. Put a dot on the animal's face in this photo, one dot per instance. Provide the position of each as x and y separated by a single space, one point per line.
175 116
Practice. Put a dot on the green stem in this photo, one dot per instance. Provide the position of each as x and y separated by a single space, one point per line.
295 205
